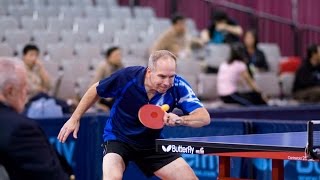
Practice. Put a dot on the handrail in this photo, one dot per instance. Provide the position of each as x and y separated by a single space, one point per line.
263 15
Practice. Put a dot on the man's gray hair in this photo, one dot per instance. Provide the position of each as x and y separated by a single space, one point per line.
8 71
155 56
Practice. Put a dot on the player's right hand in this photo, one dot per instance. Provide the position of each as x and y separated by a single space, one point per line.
72 125
171 119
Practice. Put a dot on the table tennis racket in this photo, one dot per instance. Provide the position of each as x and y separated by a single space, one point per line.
151 115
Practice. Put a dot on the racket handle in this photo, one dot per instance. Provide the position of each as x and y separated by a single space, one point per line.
165 107
178 122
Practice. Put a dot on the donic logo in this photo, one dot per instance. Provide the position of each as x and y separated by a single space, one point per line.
166 149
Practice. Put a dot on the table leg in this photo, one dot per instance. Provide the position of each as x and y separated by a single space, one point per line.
224 167
277 169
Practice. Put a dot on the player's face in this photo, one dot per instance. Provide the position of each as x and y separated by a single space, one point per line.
162 76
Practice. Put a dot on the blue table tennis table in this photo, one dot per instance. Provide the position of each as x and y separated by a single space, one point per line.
275 146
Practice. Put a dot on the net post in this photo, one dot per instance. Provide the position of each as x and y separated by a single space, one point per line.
310 135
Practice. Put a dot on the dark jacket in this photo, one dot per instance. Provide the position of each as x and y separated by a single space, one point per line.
258 59
307 76
24 149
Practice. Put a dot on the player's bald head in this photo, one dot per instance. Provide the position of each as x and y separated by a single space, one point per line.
162 55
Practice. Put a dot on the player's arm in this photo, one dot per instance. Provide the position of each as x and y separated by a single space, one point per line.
89 98
99 74
105 88
197 118
72 125
195 113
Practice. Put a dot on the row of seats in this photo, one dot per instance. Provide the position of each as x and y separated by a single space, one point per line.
218 53
57 3
67 44
85 30
109 31
78 24
71 12
83 25
42 22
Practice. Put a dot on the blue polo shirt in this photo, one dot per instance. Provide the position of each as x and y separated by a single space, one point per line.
126 86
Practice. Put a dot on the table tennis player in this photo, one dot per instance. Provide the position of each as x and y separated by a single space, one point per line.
125 138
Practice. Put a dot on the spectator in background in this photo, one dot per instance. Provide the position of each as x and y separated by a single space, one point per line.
112 63
24 149
221 30
38 78
176 39
256 60
306 86
233 72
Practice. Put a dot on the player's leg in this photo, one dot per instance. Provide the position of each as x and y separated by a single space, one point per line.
113 167
177 169
115 160
164 165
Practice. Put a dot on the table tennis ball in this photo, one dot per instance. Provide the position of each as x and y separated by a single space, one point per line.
165 107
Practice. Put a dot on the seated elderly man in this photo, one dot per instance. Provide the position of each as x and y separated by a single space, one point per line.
25 151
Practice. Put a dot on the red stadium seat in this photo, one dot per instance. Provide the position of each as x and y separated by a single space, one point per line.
290 64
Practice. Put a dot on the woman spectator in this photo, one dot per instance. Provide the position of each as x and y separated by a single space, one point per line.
233 72
256 60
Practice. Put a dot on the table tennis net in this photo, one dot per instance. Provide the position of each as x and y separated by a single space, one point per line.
314 139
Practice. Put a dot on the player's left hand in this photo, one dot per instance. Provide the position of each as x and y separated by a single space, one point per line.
171 119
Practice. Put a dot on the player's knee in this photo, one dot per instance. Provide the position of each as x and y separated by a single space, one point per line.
193 177
186 175
180 172
189 175
186 172
112 176
113 167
